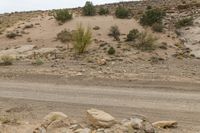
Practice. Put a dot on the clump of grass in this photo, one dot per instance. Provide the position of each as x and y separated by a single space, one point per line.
64 36
103 11
38 62
111 51
146 42
62 15
184 22
81 39
122 12
89 9
7 60
114 32
133 34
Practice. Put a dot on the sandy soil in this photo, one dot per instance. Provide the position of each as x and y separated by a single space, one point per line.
31 101
128 83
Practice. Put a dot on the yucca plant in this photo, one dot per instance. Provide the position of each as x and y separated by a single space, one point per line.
81 39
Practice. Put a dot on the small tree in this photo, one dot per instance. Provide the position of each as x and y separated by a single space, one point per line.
114 31
103 11
81 39
133 34
62 15
122 12
89 9
152 16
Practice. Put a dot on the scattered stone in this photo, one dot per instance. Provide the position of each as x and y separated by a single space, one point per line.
165 124
101 62
99 118
96 28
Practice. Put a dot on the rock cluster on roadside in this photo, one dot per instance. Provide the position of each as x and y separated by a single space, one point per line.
98 121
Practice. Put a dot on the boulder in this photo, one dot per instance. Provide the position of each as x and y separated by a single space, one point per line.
165 124
99 118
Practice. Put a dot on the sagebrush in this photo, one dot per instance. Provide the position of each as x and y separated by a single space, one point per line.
62 15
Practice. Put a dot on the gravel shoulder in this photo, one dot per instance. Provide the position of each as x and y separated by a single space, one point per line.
156 100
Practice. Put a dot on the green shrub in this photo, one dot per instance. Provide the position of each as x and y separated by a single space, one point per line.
114 32
111 51
133 34
152 16
184 22
64 36
82 38
89 9
62 15
103 11
7 60
122 13
157 27
146 42
38 62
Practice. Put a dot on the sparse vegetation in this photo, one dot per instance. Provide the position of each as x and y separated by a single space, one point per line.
62 15
133 34
146 42
184 22
7 60
38 61
157 27
103 11
122 12
11 35
111 51
89 9
64 36
81 39
152 16
114 32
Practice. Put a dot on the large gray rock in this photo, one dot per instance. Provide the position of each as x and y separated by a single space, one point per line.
99 118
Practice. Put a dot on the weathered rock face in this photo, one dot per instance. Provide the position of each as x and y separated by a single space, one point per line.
165 124
191 37
99 118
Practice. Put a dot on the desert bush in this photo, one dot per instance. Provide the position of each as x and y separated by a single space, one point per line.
114 32
103 11
89 9
133 34
111 51
64 36
184 22
38 61
157 27
81 39
62 15
146 42
7 60
11 35
122 13
152 16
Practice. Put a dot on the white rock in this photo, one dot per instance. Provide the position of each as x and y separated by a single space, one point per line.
99 118
53 116
165 124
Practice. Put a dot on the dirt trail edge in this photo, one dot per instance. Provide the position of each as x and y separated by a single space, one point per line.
155 101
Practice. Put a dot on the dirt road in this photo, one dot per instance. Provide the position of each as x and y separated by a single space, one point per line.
156 101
